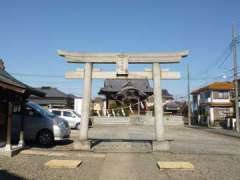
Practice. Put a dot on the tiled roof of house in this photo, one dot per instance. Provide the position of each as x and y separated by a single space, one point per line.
52 92
215 86
172 105
53 96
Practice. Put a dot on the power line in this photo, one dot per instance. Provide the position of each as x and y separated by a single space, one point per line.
224 60
38 75
221 60
216 62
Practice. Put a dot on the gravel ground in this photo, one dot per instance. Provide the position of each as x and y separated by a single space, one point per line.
214 156
32 167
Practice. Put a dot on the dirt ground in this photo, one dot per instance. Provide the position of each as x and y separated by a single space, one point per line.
214 156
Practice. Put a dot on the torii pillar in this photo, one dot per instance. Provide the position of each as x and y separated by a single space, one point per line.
160 144
122 60
83 143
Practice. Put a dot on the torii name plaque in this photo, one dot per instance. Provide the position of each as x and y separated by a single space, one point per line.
122 65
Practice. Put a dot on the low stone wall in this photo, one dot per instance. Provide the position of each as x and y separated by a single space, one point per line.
171 120
110 120
137 120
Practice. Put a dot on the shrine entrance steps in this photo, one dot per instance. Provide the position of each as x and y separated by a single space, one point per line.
124 134
107 146
121 138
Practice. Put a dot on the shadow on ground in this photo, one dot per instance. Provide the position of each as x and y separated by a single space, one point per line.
95 142
34 144
4 174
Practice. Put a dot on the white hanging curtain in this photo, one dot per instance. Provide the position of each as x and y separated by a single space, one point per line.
98 113
130 108
108 114
113 112
123 112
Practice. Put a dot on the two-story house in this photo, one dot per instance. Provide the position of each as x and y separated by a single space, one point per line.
211 104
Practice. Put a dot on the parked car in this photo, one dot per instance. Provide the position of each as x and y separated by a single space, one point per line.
40 125
69 115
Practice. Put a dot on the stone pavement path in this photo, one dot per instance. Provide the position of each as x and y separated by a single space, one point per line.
123 146
130 166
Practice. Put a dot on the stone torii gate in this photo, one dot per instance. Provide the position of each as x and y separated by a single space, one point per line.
122 61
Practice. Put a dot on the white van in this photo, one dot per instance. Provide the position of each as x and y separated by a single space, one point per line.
69 115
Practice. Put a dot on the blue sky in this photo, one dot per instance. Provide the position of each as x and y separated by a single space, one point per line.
31 32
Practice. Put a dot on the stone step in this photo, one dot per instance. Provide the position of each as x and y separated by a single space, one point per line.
122 146
174 122
110 122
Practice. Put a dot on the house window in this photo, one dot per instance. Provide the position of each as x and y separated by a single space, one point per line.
220 95
205 95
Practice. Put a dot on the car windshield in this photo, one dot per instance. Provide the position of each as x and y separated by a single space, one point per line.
41 110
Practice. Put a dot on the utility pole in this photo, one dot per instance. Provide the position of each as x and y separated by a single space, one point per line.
189 101
235 69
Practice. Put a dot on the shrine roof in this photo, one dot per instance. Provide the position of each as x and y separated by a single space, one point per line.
116 85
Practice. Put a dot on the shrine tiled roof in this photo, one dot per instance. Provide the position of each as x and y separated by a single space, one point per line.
116 85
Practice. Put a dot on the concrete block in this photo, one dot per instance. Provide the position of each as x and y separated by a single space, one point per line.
35 152
63 163
60 154
160 145
10 152
82 145
175 165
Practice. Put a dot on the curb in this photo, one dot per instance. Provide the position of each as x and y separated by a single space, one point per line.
231 133
62 154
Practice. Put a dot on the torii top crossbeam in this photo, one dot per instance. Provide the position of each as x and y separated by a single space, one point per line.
144 58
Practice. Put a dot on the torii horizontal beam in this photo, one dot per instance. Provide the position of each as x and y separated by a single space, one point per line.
108 58
97 74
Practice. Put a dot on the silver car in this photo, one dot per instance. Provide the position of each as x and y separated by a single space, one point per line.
40 125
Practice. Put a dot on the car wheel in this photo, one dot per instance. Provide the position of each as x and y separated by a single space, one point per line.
78 126
45 138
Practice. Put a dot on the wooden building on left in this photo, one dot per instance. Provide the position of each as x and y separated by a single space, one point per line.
13 95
